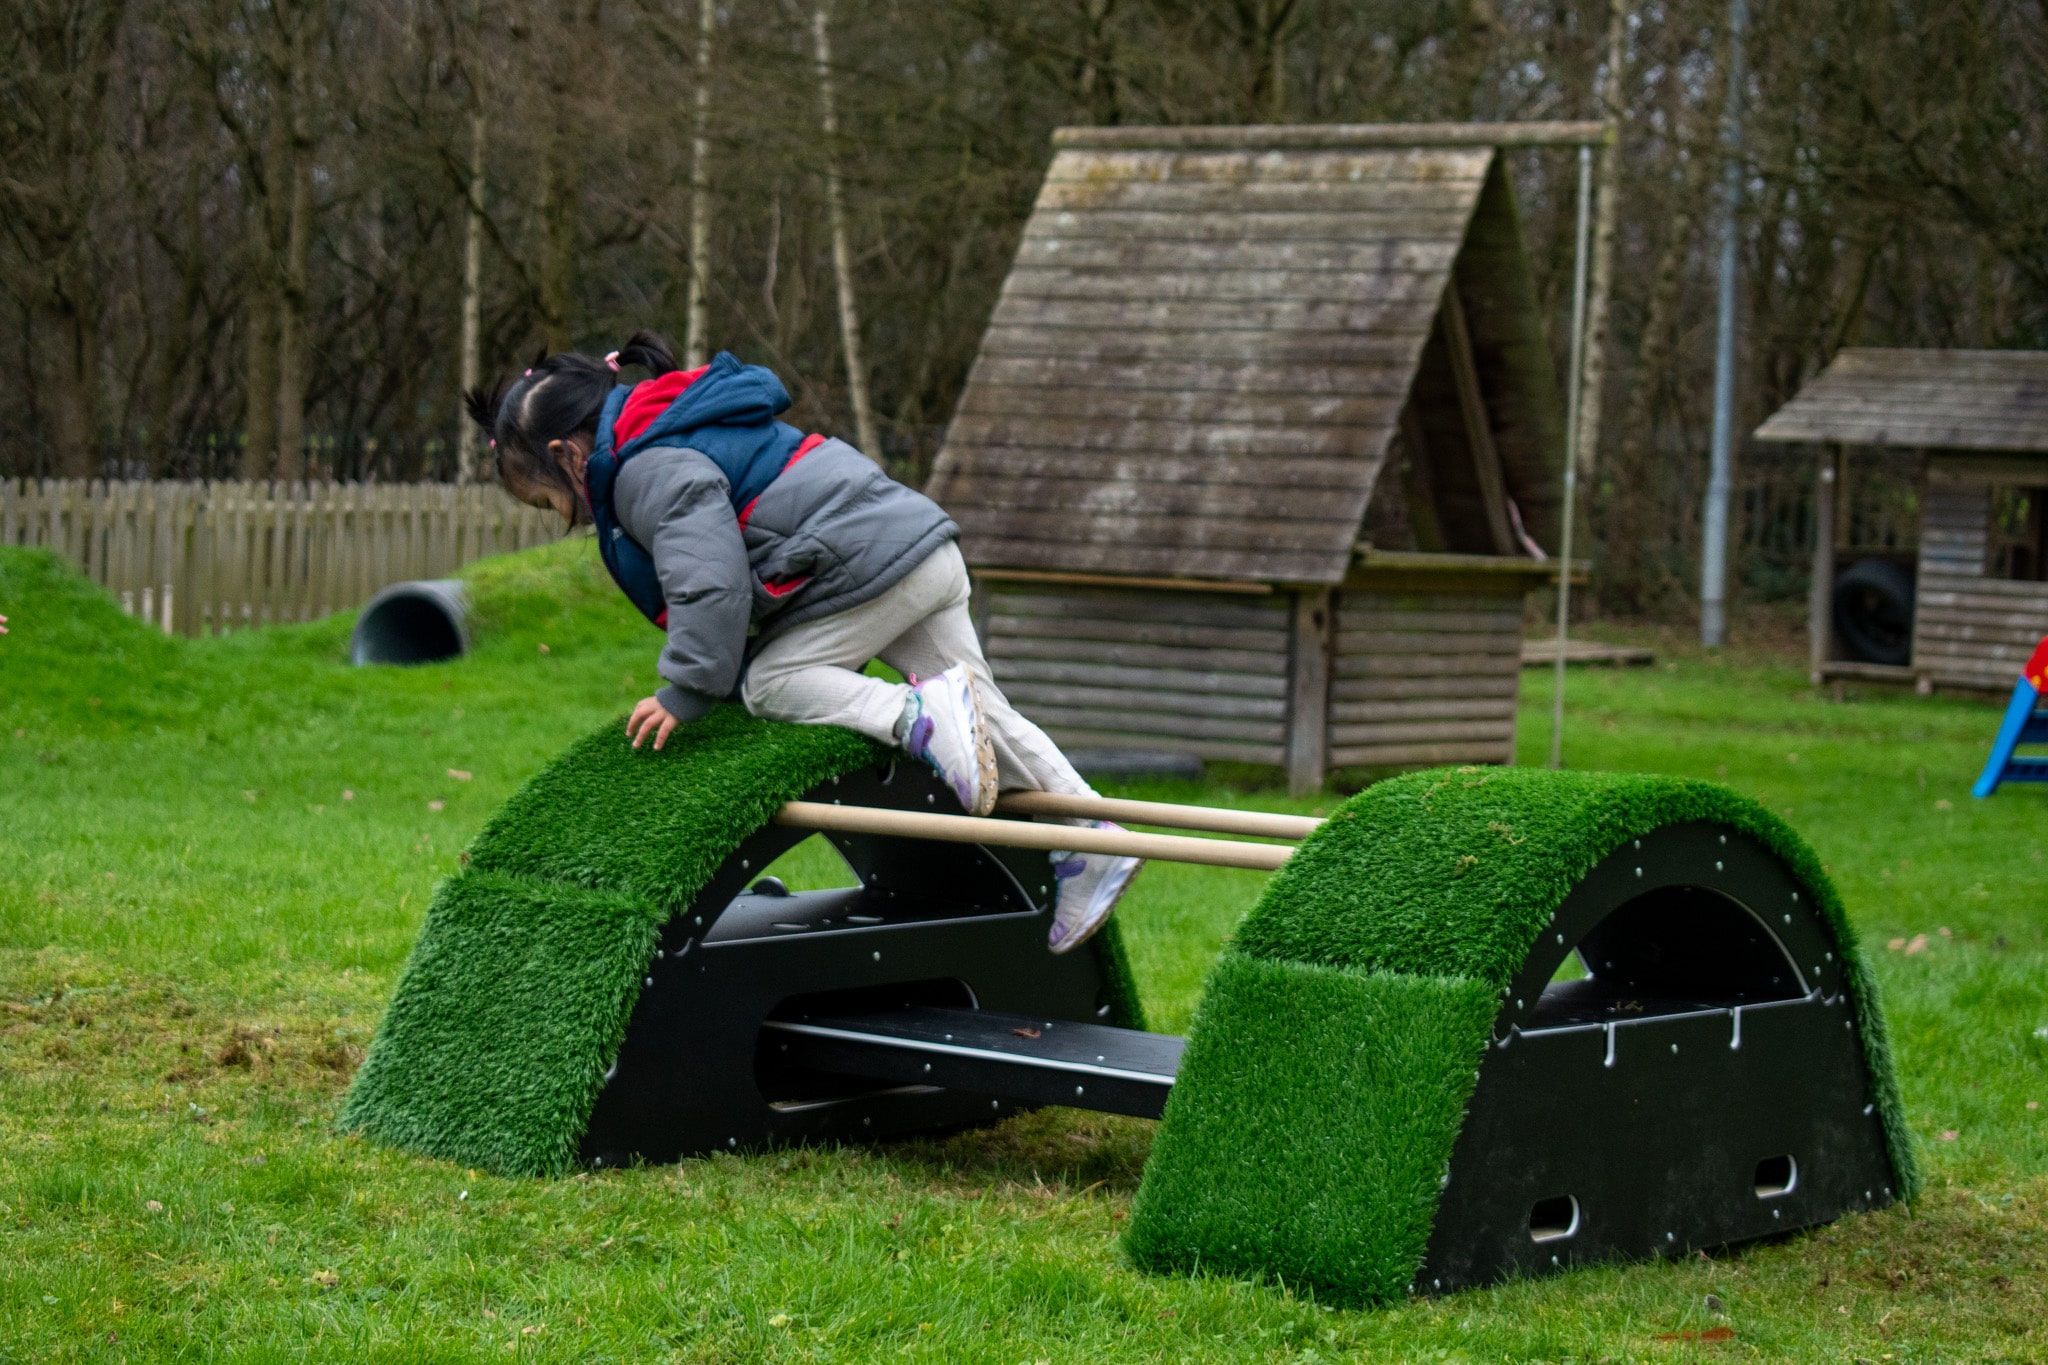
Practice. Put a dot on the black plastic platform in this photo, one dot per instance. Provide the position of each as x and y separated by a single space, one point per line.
1023 1058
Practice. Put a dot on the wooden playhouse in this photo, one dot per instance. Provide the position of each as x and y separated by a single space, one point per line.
1963 603
1263 447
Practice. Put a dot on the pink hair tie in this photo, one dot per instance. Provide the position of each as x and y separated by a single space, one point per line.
613 361
528 374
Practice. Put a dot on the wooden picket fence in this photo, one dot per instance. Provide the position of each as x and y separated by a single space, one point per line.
207 558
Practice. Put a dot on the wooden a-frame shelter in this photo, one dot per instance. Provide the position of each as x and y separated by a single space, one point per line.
1263 445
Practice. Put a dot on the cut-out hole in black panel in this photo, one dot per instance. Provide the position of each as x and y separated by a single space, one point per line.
1669 951
1776 1175
1554 1219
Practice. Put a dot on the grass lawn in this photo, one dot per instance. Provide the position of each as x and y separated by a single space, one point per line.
214 856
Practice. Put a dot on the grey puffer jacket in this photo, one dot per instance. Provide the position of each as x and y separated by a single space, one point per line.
831 532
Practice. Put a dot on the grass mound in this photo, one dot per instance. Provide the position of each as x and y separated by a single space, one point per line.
1338 1042
64 631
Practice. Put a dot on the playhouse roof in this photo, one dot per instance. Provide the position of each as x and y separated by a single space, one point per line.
1206 342
1957 400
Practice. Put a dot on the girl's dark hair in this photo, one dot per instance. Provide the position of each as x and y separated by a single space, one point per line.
559 396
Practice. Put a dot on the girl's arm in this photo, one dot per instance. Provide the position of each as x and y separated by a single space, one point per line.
677 504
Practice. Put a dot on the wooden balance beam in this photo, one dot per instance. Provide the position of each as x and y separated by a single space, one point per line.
1257 823
968 829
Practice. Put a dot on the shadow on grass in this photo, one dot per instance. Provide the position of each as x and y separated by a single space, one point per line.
1069 1148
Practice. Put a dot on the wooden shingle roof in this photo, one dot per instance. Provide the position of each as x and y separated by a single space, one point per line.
1957 400
1204 348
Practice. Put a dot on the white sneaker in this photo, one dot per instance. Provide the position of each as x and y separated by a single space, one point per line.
949 733
1090 886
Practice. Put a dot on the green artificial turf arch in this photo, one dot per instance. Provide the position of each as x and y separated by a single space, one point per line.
1338 1041
516 996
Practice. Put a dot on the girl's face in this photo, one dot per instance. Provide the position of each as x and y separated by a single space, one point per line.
570 456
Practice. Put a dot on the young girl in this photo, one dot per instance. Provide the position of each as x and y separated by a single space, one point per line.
779 564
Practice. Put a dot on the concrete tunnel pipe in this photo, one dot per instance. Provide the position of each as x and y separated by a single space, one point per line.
419 622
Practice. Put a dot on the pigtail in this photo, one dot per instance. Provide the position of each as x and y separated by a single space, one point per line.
484 405
648 351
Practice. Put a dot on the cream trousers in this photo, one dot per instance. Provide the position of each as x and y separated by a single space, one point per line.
811 673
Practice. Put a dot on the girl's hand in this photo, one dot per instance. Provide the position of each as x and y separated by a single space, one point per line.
649 718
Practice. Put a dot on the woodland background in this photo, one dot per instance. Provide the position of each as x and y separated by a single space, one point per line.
234 234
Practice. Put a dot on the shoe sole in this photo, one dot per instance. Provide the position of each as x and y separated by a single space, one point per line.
1088 931
984 750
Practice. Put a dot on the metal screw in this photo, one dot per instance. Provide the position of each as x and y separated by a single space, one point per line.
1674 1049
646 981
1077 1090
927 1068
1717 865
995 1104
744 863
1639 872
878 957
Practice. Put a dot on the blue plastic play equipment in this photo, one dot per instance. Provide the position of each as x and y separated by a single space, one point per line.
2026 722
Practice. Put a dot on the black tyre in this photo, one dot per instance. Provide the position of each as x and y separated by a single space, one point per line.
1874 612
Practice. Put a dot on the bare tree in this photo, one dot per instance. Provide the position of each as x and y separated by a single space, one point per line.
842 252
696 344
55 71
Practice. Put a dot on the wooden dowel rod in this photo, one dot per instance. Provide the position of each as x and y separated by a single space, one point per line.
968 829
1253 822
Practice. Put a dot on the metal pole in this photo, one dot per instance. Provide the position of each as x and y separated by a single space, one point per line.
1575 385
1714 532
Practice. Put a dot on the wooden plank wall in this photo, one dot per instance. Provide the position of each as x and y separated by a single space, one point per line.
1183 672
206 558
1425 677
1969 630
1419 676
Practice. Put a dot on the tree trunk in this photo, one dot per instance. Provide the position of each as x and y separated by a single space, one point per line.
259 423
294 293
468 462
75 391
1471 54
842 253
1096 83
558 237
697 326
1266 94
1607 190
171 358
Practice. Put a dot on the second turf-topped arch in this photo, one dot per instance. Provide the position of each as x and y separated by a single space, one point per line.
1392 1087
